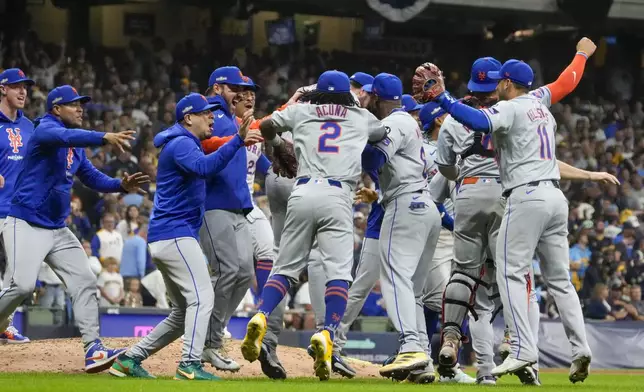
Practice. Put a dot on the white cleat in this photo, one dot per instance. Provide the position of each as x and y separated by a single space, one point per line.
459 377
219 359
227 335
579 369
510 365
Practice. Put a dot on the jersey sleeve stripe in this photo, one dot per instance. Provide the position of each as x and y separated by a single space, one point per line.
489 121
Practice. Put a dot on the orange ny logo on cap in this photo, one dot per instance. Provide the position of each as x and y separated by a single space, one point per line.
74 90
21 74
482 75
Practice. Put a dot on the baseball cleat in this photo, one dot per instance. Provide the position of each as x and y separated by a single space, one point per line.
219 359
322 346
579 369
528 376
193 371
12 336
99 358
510 365
125 366
486 380
422 376
270 364
404 364
340 366
457 376
227 335
255 331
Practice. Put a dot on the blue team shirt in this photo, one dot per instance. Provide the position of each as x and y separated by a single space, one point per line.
14 136
374 221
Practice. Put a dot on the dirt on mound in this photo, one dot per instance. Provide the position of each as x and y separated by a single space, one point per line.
66 356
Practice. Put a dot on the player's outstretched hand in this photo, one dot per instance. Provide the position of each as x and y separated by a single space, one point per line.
587 46
120 139
604 178
133 182
247 118
253 136
427 83
365 195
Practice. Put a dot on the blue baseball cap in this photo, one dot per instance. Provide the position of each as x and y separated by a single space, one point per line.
192 103
13 76
333 82
228 75
361 78
480 81
410 104
252 84
63 95
429 113
387 86
516 71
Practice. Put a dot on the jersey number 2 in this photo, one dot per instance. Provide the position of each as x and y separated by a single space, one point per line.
333 131
545 152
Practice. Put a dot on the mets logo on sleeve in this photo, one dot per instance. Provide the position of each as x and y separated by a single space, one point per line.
15 140
70 158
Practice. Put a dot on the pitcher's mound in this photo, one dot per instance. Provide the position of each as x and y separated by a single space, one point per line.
66 356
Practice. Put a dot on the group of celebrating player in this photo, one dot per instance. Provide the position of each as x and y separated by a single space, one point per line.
472 167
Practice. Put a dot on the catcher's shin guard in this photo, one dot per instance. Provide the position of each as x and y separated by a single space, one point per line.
459 298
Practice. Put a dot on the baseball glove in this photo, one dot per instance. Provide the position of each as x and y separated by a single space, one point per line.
427 83
283 158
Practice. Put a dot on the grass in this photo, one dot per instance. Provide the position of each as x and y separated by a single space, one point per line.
44 382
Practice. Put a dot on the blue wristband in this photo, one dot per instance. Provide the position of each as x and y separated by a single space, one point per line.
583 54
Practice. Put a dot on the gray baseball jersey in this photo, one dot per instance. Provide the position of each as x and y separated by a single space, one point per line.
441 189
320 132
454 139
523 132
405 156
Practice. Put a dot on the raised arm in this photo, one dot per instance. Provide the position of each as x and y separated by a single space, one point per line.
58 136
571 76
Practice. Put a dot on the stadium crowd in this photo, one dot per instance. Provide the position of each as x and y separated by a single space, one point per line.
137 88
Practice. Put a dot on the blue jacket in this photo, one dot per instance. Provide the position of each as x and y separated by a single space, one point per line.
12 152
228 190
181 182
374 221
55 153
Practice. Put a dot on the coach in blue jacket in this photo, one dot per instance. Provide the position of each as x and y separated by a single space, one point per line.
35 231
174 227
225 234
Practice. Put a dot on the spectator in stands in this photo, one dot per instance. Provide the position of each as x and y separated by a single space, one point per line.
134 256
636 301
80 220
598 308
616 303
94 263
110 284
593 276
129 224
579 258
133 297
107 242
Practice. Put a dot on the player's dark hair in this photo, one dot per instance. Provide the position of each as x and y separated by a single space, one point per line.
480 100
355 84
321 98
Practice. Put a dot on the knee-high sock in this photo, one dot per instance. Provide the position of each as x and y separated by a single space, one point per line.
262 271
274 291
335 299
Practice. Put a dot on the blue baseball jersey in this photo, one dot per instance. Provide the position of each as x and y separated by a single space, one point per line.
12 153
374 221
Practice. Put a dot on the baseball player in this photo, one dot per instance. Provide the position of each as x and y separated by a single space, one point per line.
523 135
34 230
13 94
410 226
174 227
329 133
473 233
225 231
